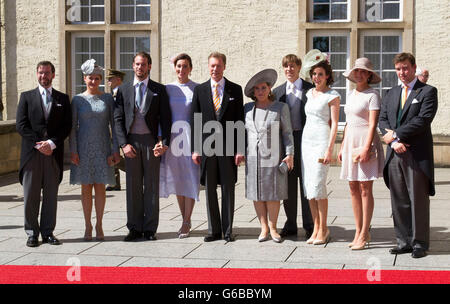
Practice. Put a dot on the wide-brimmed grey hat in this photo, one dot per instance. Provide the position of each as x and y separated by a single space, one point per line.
269 76
363 63
89 68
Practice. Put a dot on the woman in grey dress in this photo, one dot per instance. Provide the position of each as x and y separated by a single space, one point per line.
269 153
93 152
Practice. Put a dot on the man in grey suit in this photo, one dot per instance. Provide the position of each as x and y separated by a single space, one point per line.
405 121
43 120
293 92
141 107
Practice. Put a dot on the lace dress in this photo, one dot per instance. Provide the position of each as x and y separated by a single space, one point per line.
92 120
315 138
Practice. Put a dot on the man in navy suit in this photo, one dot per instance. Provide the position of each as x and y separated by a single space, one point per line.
293 92
405 121
43 120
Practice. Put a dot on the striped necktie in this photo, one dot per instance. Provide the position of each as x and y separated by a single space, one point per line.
216 98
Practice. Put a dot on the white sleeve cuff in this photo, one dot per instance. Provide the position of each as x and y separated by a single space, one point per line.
52 144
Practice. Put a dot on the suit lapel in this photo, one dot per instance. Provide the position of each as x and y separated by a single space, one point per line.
130 99
148 100
225 101
395 105
283 97
39 105
209 100
414 92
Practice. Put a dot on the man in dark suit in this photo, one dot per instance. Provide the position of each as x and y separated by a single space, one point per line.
114 80
293 92
141 107
405 121
43 120
215 104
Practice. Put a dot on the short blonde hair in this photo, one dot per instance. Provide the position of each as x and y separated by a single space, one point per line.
218 55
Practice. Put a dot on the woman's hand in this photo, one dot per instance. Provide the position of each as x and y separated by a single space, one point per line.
340 156
75 159
289 160
327 158
363 156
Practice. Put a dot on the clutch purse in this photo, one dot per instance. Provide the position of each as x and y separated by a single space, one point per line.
357 151
283 168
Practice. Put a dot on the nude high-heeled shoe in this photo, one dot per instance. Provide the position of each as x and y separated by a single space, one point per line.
324 241
362 245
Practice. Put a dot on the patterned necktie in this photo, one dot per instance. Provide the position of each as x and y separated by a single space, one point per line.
292 97
216 98
404 96
139 96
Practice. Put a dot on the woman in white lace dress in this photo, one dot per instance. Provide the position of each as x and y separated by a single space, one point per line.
319 134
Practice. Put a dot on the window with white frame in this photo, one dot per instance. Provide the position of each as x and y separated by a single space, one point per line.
86 11
337 48
381 10
133 11
128 45
381 50
85 46
330 10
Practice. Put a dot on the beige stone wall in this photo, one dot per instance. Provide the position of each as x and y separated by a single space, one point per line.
254 34
11 143
432 46
30 35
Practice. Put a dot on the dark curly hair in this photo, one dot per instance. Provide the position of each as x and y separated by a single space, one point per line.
328 71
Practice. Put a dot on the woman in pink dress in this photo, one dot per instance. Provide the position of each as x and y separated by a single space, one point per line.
361 151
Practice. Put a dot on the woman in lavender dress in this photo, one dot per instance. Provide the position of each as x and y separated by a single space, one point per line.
178 174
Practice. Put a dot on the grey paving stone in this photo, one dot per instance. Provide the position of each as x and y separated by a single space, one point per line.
172 262
234 251
156 249
279 265
40 259
6 257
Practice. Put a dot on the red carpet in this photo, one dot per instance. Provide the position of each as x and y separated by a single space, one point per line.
119 275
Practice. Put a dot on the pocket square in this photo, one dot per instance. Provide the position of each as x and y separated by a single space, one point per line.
155 94
59 105
415 101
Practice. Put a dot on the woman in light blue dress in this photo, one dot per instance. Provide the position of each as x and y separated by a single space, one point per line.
178 173
93 151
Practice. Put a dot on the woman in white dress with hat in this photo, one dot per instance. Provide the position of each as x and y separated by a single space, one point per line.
319 135
361 151
269 151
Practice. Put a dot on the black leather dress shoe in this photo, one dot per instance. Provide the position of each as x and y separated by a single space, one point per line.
286 233
50 239
212 237
229 238
113 188
418 253
132 236
398 250
150 236
33 241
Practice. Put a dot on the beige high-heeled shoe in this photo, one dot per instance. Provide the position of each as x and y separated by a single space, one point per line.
88 234
324 241
99 236
363 245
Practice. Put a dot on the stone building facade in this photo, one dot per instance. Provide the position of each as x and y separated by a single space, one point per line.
254 34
